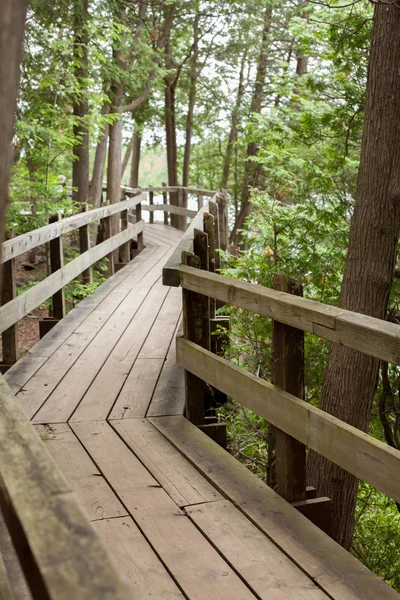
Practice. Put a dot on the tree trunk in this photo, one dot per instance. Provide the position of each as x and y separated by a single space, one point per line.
12 27
134 177
96 184
127 156
80 165
252 170
232 138
192 100
170 133
351 377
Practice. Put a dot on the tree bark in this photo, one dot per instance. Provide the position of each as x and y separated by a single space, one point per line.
127 156
96 184
191 103
251 170
351 377
12 28
134 178
232 138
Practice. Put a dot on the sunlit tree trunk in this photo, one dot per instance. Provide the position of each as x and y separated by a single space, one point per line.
351 377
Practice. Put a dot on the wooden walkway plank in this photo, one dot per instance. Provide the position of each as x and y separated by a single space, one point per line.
94 495
135 396
169 395
158 341
102 390
136 561
61 403
177 476
108 294
267 571
199 570
337 572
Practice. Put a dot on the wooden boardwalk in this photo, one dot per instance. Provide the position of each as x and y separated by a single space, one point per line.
179 516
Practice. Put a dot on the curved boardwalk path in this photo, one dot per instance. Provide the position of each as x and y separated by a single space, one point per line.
180 517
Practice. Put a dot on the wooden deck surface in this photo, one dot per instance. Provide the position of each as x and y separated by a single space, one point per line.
180 517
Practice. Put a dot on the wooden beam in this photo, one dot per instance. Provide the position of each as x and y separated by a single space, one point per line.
61 556
171 208
32 239
22 305
8 293
362 455
84 246
288 374
366 334
151 202
56 264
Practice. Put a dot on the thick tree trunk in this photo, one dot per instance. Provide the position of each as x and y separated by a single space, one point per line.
172 154
12 27
80 165
99 164
351 377
252 170
232 138
134 176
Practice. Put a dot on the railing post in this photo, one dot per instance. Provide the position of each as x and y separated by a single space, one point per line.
222 203
125 250
107 225
181 219
196 328
84 246
165 201
140 243
56 263
288 374
200 201
209 228
8 293
151 202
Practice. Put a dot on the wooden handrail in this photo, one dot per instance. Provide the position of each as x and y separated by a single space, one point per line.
371 336
59 552
27 241
357 452
16 309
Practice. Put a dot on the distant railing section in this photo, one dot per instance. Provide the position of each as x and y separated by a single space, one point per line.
295 423
116 233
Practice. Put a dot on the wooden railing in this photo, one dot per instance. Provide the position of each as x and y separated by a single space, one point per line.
299 422
116 233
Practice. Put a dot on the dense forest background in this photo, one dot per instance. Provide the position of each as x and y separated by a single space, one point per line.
265 99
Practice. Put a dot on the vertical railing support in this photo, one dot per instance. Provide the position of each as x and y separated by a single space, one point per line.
107 225
181 219
288 374
56 263
196 328
151 203
222 203
125 251
165 201
84 246
209 228
8 293
140 243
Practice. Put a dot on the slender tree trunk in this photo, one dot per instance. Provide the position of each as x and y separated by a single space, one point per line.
232 138
127 156
80 166
252 170
115 141
191 104
12 28
351 377
170 132
134 177
96 185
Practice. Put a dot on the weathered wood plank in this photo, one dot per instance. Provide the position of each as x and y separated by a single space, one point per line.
136 561
359 453
177 476
22 305
169 395
369 335
266 570
100 386
5 587
60 554
194 564
135 396
30 363
37 237
92 493
336 571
